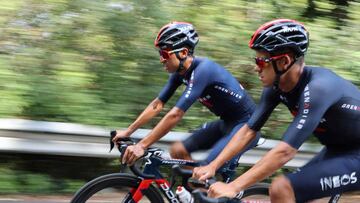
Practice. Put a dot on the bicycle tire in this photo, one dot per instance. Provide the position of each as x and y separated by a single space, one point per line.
257 189
115 180
256 193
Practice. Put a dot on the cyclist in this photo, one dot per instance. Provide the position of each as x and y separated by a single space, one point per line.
322 103
208 82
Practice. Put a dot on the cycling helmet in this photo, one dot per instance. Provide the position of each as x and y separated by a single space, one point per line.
278 36
176 35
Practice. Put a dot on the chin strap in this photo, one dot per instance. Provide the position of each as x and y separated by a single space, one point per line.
181 64
280 73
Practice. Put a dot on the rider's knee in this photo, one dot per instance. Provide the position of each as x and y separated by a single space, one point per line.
281 189
178 151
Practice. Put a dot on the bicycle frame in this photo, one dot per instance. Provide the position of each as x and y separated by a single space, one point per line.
151 174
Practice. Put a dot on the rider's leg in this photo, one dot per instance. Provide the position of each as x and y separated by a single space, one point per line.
228 169
202 138
281 190
178 151
335 172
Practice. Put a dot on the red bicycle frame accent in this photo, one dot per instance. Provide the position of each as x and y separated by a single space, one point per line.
136 193
163 184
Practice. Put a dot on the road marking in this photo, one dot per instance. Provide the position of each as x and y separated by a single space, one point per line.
11 199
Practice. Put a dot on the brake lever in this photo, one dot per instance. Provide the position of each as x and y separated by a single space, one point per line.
124 139
122 149
112 135
172 180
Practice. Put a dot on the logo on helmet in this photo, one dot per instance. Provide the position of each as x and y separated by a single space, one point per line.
185 29
290 29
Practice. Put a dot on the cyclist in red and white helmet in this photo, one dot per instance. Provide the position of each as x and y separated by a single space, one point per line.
207 82
322 103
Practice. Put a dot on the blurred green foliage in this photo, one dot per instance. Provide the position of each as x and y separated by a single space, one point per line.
49 174
94 62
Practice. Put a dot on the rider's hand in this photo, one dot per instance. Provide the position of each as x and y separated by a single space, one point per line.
120 134
204 172
132 153
220 189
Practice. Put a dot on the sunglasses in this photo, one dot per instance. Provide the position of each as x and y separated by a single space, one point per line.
261 61
166 54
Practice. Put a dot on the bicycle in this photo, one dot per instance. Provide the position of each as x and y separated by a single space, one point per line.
258 193
200 196
128 188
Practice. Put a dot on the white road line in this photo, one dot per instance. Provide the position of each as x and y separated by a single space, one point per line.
11 199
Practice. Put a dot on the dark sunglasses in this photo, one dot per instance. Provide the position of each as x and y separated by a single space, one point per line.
261 61
166 54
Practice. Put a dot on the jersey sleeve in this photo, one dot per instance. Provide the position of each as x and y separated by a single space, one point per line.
268 101
314 102
200 78
170 88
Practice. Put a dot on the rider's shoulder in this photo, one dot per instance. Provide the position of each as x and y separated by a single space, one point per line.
203 64
318 70
320 73
321 78
207 64
203 61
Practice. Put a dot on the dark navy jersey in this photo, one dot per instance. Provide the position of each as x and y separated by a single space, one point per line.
322 103
214 87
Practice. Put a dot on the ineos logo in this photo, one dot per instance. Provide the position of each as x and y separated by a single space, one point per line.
337 181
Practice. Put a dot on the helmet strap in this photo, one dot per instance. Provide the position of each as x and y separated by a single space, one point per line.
280 73
182 61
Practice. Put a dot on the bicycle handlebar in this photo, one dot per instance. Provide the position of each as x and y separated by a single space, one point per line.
122 145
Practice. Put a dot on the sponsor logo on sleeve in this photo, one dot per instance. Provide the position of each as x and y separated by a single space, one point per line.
306 110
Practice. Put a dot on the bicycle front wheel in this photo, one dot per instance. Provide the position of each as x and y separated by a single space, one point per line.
115 187
257 193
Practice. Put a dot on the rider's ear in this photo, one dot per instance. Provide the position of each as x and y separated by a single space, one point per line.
184 53
284 62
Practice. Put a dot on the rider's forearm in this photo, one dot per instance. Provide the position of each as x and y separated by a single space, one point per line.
272 161
150 111
238 143
163 127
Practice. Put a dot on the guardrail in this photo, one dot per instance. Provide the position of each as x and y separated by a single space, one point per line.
56 138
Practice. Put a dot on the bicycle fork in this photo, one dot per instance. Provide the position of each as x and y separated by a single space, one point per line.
136 194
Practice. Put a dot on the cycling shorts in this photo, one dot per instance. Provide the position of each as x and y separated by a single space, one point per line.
329 173
215 136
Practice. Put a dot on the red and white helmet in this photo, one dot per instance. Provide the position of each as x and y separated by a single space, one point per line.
278 35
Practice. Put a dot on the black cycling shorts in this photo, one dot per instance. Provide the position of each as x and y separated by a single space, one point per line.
331 172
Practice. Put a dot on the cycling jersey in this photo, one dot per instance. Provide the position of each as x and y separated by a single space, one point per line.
322 103
213 86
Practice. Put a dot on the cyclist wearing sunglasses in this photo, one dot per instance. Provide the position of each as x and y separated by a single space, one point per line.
207 82
323 104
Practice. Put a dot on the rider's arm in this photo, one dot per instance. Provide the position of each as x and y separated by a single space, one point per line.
163 127
272 161
150 111
199 80
155 107
247 133
239 141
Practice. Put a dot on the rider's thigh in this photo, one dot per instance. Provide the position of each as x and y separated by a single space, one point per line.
178 151
221 144
281 190
327 177
205 137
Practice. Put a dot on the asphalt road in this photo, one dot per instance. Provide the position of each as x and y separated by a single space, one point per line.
349 198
